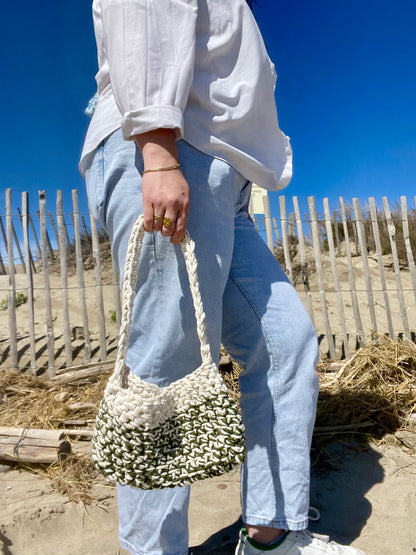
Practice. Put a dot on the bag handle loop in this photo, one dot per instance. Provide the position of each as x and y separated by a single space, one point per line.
131 270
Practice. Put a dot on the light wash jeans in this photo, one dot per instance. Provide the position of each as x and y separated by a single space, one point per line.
250 306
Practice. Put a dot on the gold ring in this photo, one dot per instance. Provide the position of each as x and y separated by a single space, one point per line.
167 222
158 218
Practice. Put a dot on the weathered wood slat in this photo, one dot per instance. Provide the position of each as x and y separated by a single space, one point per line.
379 254
268 222
47 240
335 220
46 284
276 231
303 260
364 257
64 277
332 256
321 282
11 303
32 263
406 237
98 287
351 277
80 276
71 377
392 235
29 282
19 250
286 251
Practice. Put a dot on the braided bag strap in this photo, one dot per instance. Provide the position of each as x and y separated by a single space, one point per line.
131 270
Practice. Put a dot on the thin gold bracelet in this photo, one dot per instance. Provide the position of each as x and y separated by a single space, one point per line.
166 169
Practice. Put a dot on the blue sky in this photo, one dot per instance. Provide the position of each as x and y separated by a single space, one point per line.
346 92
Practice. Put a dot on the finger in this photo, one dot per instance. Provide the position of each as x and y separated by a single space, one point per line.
169 223
148 214
157 220
180 228
148 211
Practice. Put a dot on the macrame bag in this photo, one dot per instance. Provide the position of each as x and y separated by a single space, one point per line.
154 437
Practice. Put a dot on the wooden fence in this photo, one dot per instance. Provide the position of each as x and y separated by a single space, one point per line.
353 266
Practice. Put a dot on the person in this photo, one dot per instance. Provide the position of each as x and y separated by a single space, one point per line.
185 121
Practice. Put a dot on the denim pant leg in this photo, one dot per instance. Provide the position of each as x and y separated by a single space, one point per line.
267 330
163 345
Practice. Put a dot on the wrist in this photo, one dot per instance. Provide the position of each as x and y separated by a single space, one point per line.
158 148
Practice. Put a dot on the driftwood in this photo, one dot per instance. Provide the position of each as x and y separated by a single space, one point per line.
72 422
102 364
32 445
71 377
81 406
86 434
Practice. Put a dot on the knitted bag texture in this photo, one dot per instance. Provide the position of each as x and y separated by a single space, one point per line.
154 437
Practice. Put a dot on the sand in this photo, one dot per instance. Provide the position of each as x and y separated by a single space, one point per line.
366 495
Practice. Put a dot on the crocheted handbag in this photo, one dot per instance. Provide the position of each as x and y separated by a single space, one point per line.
154 437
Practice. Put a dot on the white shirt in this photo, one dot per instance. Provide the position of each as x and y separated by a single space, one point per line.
199 67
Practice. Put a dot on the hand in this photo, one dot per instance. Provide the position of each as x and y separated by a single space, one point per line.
165 193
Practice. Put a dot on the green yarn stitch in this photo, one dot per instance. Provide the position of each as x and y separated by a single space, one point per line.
191 446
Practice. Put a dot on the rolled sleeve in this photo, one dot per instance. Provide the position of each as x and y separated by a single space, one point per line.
150 46
152 117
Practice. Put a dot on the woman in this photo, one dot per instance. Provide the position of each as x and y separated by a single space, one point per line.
185 121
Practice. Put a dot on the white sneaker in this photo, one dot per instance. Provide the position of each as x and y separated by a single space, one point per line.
297 543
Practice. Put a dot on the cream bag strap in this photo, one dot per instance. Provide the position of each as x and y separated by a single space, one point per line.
129 283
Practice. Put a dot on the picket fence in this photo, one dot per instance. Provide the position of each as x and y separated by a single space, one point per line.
353 267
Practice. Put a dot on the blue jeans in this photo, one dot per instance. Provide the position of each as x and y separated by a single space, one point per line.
250 307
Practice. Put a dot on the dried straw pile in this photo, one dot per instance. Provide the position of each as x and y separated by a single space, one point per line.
373 393
31 401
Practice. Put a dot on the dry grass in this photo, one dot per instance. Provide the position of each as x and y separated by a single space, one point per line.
372 394
375 387
29 401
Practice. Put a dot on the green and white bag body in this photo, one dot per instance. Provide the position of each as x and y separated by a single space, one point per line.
154 437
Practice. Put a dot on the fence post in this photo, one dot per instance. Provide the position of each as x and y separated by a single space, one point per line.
29 281
276 231
80 274
44 241
392 235
331 248
309 225
286 250
364 258
11 304
31 261
303 261
64 277
268 222
98 287
379 253
318 264
406 237
334 217
351 278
